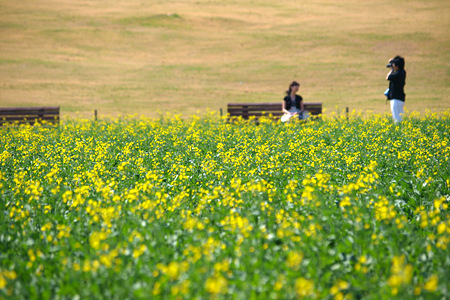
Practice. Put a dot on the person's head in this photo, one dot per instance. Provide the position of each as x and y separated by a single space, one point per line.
398 62
293 87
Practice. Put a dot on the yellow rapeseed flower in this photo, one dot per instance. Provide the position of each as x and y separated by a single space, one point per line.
294 259
431 284
304 287
216 284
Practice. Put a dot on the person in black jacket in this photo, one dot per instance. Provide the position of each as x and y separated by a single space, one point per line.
293 104
396 93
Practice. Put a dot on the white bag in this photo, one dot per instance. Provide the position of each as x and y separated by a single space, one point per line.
285 117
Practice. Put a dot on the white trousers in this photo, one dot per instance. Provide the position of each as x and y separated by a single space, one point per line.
397 109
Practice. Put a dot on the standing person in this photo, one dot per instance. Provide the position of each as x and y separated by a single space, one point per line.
293 104
396 94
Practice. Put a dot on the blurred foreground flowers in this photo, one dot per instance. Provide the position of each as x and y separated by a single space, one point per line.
200 208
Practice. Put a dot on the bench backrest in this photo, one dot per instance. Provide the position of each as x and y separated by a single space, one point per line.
247 110
29 115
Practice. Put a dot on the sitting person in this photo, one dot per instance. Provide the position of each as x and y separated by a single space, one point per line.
293 104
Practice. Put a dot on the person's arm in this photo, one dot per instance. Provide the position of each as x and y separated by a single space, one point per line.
302 108
389 74
392 75
283 107
394 70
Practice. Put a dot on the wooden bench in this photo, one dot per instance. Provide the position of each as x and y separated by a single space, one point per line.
247 110
29 115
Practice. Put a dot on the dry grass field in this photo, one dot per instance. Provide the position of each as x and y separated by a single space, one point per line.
141 57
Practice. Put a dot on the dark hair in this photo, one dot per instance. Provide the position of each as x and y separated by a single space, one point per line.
293 83
399 62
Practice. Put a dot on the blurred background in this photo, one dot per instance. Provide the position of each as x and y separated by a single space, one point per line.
151 57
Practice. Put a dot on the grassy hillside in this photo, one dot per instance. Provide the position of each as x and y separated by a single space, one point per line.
139 56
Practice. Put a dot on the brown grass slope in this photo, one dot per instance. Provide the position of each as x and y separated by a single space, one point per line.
138 56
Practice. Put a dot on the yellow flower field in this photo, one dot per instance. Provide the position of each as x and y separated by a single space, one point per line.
198 208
